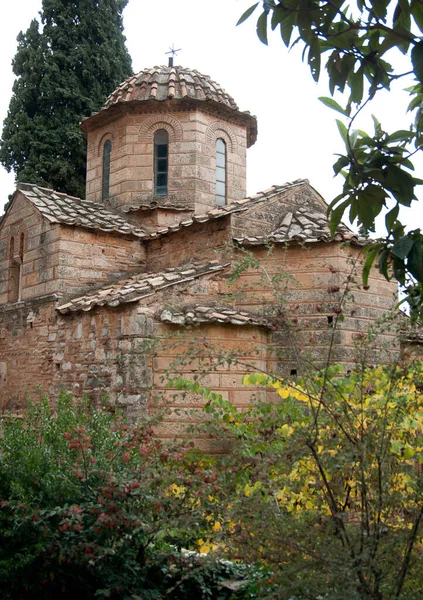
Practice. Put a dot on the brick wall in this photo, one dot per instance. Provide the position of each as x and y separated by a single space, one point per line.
192 160
58 259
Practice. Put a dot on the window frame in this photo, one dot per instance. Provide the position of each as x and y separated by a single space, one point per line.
161 162
16 268
221 178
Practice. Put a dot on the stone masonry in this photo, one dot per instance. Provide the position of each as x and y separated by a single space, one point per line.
93 292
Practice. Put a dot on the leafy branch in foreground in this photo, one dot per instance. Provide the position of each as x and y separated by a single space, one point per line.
358 40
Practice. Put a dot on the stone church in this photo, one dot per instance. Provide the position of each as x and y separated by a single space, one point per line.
149 252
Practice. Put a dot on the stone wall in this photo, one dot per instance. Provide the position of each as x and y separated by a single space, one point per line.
88 258
27 345
317 287
201 241
102 353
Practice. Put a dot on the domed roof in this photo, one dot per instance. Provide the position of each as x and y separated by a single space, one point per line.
170 83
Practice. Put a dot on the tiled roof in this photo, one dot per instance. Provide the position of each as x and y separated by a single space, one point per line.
155 205
303 226
163 83
140 286
211 314
238 206
68 210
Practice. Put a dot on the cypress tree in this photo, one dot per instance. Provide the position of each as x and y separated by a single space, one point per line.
66 65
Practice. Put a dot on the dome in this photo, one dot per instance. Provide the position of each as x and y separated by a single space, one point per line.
170 83
170 88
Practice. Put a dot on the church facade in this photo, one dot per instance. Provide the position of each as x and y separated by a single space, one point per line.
85 284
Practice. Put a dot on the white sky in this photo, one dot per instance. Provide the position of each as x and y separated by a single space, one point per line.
297 134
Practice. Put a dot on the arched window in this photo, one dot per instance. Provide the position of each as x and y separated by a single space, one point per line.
107 150
161 164
220 172
15 269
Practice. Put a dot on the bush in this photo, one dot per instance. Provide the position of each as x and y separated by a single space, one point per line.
92 507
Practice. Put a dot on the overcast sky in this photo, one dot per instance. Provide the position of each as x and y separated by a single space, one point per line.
297 134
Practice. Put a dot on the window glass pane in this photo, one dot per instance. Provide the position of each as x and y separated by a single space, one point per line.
220 188
161 151
162 165
220 146
220 160
220 174
161 179
107 150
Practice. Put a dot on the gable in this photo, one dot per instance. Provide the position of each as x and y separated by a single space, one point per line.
262 218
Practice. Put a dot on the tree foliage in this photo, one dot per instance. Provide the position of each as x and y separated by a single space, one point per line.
356 40
66 65
324 483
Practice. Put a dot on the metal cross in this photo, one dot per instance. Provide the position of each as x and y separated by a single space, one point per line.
173 52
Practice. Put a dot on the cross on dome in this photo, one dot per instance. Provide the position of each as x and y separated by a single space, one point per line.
173 52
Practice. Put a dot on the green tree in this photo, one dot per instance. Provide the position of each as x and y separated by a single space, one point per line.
357 39
66 65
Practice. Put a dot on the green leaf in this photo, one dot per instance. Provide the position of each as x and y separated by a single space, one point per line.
370 202
342 162
402 135
336 215
415 261
353 210
417 60
417 13
331 103
402 247
287 25
391 217
400 183
379 8
383 262
372 252
342 130
247 13
377 126
355 81
314 59
262 28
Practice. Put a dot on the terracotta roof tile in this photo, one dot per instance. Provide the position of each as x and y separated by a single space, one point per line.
139 286
68 210
211 314
162 83
156 205
303 226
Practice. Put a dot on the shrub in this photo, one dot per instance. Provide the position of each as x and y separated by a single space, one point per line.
92 507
